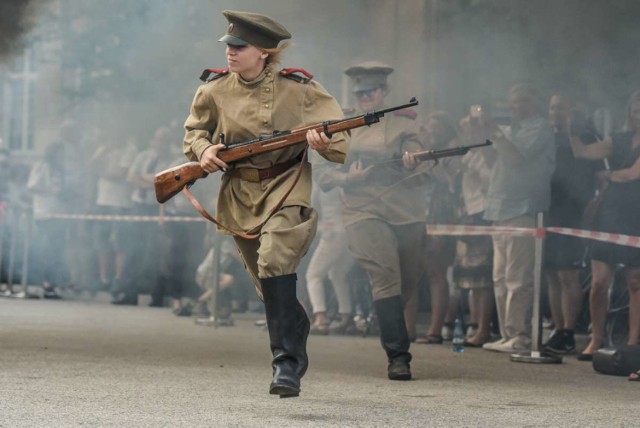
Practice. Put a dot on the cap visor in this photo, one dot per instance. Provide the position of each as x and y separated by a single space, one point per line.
232 40
364 87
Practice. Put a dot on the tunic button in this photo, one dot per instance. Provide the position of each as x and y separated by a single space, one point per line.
267 89
265 121
269 74
266 106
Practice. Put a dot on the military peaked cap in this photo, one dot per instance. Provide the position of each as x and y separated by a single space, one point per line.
253 29
368 75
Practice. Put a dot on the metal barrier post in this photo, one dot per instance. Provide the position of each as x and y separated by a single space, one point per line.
535 356
2 246
12 252
26 246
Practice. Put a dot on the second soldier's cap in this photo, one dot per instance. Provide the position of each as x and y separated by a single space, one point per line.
247 28
369 75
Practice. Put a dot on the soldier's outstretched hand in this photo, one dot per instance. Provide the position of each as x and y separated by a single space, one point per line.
357 174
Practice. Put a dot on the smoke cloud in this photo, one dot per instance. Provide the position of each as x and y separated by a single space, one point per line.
17 17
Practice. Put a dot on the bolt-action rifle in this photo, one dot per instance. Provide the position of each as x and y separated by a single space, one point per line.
434 155
170 182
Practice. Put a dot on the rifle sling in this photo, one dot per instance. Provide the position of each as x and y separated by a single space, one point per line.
203 212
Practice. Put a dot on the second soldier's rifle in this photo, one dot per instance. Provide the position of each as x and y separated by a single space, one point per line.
170 182
435 155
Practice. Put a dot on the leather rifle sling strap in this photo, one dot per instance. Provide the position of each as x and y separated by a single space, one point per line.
203 212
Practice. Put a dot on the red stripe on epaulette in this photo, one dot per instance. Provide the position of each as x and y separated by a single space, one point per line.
218 72
348 111
287 71
407 112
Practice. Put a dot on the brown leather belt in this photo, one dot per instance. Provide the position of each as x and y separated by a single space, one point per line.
255 175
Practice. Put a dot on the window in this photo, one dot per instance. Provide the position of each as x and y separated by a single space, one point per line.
18 101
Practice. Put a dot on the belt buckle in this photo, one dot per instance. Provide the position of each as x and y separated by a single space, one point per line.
251 174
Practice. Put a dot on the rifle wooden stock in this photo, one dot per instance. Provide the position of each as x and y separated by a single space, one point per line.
170 182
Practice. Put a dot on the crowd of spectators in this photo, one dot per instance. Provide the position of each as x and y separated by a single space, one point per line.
122 250
557 163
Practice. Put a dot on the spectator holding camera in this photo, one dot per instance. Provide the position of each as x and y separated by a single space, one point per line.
519 188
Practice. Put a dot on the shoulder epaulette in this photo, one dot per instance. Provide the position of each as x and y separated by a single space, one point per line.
210 74
406 112
298 74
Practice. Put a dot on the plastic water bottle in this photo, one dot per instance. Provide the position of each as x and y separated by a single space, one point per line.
458 336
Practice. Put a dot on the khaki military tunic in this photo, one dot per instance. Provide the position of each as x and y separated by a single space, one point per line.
244 110
385 215
390 192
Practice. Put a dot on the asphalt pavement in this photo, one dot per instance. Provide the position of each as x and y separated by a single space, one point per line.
88 363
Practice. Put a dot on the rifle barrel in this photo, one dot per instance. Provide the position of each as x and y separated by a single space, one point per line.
412 102
437 154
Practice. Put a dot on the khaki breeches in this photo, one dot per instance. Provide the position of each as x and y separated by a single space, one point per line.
391 255
284 240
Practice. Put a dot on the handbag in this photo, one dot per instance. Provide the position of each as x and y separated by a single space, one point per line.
617 361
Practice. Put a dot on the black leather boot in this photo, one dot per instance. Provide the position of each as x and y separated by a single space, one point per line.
285 327
394 337
303 328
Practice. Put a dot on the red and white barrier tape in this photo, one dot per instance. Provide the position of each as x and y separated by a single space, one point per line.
629 241
432 229
453 230
99 217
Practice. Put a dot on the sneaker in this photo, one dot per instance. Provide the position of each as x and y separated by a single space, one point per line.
319 329
51 293
555 337
360 323
201 310
183 311
491 346
515 344
562 342
343 327
214 322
